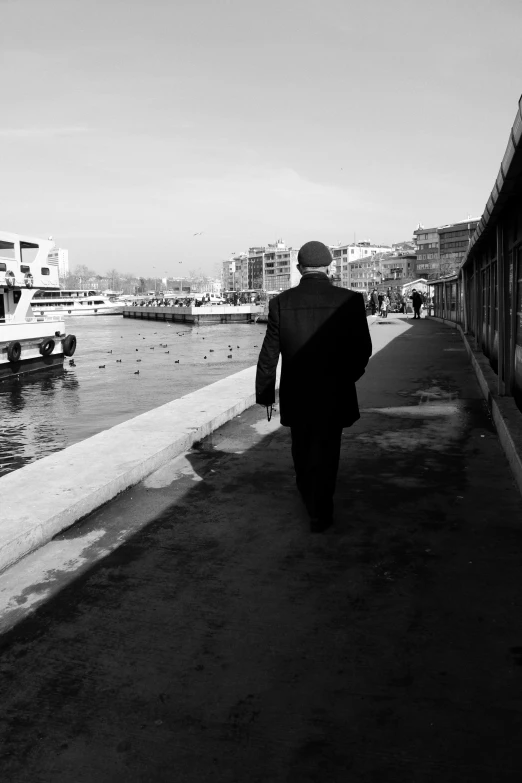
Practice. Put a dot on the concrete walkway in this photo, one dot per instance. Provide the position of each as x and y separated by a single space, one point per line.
196 631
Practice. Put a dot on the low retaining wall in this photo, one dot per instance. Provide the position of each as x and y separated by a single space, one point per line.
48 496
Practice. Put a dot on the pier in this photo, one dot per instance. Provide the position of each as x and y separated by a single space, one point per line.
197 316
193 626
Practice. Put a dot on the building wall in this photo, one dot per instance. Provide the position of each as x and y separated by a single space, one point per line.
344 255
399 266
60 255
454 242
441 249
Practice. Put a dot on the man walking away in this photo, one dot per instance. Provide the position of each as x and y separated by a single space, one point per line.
322 334
416 300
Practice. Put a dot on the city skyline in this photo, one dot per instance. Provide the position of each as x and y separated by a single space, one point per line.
181 131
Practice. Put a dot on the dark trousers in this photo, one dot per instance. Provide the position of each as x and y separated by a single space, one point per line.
416 310
315 451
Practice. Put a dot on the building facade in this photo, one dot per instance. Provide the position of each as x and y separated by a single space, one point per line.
454 242
398 266
441 249
232 273
60 256
347 258
252 269
428 251
279 267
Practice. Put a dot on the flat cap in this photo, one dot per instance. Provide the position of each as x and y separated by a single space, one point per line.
314 254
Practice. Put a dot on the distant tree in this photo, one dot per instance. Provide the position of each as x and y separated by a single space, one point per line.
79 276
129 283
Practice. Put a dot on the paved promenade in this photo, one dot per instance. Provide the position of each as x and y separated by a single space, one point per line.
194 630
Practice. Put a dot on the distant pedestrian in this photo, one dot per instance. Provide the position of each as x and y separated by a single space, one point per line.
416 300
374 301
384 307
322 334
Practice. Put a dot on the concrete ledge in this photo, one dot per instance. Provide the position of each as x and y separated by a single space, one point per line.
47 496
506 416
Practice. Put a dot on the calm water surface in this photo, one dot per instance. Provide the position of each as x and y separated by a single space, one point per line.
50 411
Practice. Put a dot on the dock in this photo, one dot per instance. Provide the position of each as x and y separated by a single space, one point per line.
198 316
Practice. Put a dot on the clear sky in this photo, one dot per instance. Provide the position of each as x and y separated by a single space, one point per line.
129 125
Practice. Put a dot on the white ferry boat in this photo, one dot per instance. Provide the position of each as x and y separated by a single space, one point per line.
74 301
28 342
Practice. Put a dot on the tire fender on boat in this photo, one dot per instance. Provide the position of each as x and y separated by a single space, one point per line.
69 345
10 279
14 351
46 347
28 280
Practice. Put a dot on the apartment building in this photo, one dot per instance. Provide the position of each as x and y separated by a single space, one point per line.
350 266
252 269
399 266
440 249
279 267
428 251
231 273
59 256
454 241
271 267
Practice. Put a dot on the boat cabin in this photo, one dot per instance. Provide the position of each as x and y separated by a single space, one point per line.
24 266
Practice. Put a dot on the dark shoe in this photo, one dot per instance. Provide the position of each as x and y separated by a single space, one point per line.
319 525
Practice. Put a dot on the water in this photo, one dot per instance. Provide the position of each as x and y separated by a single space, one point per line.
50 411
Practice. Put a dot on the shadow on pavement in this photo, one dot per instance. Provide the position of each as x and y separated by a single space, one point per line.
223 642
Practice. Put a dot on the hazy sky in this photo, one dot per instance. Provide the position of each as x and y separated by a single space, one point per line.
129 125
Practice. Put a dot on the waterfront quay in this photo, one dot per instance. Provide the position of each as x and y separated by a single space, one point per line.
196 316
192 628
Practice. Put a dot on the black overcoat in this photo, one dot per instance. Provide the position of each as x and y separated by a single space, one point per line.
322 335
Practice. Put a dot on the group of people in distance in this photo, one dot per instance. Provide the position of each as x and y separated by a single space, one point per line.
381 303
192 301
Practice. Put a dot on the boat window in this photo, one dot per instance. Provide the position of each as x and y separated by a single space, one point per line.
16 296
99 301
45 270
7 250
3 267
89 302
25 269
28 252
